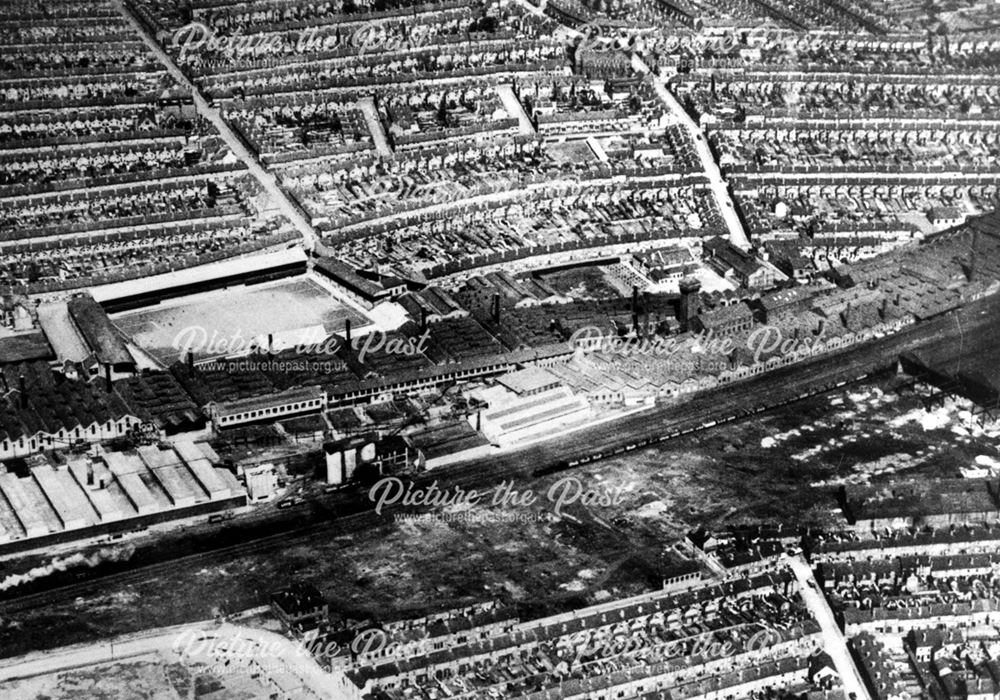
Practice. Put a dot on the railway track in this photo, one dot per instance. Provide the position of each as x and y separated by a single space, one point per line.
701 411
149 571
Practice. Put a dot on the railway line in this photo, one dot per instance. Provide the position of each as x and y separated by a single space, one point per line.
780 387
342 525
736 401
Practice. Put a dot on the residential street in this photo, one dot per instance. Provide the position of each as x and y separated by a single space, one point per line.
834 643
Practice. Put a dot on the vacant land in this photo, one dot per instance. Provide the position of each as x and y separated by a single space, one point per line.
785 464
585 282
146 677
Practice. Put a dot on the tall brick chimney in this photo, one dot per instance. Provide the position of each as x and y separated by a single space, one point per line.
689 289
635 310
973 255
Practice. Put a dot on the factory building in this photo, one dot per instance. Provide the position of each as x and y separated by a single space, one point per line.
267 408
103 492
528 404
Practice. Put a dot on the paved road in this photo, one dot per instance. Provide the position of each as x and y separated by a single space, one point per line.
833 641
864 177
266 179
514 109
61 331
204 641
741 399
82 655
720 188
367 107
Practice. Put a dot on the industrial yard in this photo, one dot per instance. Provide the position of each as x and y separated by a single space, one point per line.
568 350
785 463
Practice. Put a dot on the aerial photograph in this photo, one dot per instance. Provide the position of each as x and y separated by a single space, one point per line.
499 349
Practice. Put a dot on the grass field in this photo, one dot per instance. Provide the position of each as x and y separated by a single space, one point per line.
234 317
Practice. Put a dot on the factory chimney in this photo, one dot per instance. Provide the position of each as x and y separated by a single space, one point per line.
107 378
496 308
972 255
190 359
689 289
423 319
646 306
635 310
347 331
270 343
23 391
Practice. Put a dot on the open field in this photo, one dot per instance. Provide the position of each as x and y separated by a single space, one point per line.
235 316
149 676
785 463
583 282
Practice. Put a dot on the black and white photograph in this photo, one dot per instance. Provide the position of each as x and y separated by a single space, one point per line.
499 349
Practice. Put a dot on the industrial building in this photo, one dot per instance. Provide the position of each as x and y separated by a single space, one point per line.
527 404
103 492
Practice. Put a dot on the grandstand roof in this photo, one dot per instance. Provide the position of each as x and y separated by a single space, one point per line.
346 276
98 332
196 275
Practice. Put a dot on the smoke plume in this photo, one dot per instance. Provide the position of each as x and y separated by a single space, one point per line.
105 554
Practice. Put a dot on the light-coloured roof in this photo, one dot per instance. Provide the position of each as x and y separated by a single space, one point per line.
193 275
529 379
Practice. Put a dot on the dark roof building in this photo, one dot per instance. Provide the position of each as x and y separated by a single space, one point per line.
40 409
725 319
99 333
159 398
729 261
25 347
431 305
361 288
300 606
786 301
